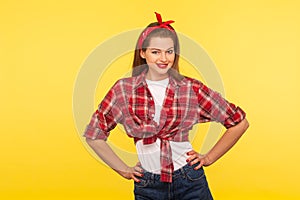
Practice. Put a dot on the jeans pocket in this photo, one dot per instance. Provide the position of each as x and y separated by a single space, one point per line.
194 175
143 183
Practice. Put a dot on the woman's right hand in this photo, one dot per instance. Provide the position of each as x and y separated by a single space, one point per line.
133 172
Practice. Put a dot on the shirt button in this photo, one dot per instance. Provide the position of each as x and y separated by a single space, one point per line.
152 115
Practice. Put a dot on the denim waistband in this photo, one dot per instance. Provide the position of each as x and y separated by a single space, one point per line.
177 173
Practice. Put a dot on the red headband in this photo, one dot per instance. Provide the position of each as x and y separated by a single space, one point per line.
148 30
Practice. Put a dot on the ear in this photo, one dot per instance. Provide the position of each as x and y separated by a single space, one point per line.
142 54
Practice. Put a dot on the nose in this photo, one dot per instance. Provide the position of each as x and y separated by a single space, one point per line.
163 57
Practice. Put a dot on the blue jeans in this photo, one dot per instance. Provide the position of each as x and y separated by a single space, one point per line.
188 184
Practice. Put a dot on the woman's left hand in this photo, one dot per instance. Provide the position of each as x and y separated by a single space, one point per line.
195 157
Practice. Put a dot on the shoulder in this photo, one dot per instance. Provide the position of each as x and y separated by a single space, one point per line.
124 83
127 80
192 81
197 85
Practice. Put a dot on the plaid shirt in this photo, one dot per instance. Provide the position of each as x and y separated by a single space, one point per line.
187 102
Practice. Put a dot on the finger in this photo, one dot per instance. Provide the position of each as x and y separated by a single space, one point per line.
138 174
191 157
135 176
191 152
196 158
201 163
194 161
138 169
135 179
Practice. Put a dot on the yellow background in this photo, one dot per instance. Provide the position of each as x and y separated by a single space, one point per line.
254 44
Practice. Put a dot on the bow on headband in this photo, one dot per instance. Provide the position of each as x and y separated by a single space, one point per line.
148 30
163 24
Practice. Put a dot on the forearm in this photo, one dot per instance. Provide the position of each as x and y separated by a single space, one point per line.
227 141
103 150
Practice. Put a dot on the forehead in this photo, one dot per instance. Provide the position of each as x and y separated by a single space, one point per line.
161 43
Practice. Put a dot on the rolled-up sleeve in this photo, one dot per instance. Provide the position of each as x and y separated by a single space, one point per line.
213 107
105 118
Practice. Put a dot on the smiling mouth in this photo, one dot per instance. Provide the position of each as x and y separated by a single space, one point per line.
162 66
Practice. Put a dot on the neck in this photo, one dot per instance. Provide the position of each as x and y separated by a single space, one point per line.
156 78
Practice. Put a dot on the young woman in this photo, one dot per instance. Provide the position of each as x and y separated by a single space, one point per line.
157 107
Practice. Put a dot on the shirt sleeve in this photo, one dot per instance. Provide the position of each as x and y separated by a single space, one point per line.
213 107
105 118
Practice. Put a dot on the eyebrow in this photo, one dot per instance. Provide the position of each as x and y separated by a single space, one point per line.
153 48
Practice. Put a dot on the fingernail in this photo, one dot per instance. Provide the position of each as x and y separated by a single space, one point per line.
187 160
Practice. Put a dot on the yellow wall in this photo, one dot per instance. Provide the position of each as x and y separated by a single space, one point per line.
254 44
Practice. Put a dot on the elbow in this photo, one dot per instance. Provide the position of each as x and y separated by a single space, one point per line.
245 125
241 127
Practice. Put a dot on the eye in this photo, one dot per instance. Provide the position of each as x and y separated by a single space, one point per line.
170 51
154 52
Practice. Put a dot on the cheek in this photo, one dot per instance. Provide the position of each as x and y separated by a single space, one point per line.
151 58
172 57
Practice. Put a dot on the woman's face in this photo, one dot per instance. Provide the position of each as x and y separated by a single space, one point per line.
160 56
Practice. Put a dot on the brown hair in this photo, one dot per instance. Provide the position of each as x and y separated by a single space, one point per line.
139 63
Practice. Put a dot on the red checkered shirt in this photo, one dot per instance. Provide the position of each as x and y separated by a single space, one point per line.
187 102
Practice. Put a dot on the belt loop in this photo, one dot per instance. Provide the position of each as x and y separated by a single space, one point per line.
183 171
152 177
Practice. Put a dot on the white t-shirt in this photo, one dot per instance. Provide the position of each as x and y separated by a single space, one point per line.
149 155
